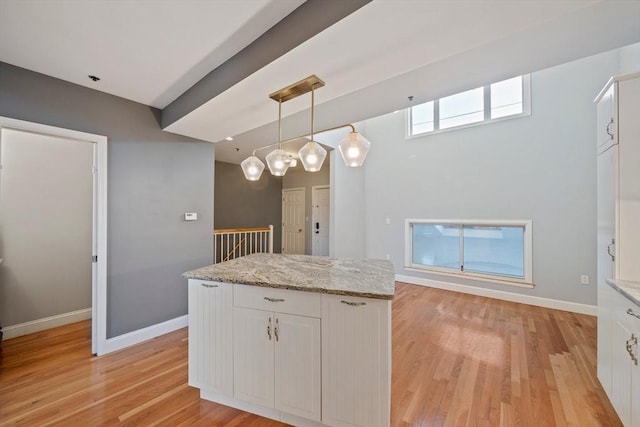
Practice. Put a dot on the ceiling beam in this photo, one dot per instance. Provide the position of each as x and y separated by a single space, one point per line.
312 17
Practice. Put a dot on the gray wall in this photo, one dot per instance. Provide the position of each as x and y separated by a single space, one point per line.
46 196
154 177
541 167
240 203
299 178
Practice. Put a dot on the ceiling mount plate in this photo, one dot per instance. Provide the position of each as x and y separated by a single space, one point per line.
297 89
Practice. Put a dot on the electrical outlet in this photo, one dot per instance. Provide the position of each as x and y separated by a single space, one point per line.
584 279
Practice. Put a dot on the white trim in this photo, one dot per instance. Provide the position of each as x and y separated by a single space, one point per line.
144 334
573 307
314 197
528 250
99 279
45 323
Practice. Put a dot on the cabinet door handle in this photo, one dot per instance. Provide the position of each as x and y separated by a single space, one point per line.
612 254
630 343
275 330
269 329
631 313
354 304
274 299
207 285
607 130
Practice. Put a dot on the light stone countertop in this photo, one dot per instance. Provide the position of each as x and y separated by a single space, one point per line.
629 289
358 277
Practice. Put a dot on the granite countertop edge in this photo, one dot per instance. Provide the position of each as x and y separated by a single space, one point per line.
630 290
290 287
356 277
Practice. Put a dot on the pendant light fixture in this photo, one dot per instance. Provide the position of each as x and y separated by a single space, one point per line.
353 147
312 154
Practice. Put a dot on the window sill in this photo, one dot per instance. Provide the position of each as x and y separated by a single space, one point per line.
496 280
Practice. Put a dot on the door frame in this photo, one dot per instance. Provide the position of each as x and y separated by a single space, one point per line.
304 218
99 232
314 188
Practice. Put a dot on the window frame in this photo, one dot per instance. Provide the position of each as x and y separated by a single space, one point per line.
526 110
527 243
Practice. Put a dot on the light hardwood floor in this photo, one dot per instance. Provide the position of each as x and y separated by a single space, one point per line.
458 360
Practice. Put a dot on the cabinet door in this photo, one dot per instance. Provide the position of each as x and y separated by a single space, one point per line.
606 127
621 381
606 297
210 340
606 208
356 361
253 339
297 365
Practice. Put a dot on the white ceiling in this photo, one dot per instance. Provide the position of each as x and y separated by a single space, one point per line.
151 51
148 51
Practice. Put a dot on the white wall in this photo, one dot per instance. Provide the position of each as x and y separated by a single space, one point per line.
347 211
541 167
46 226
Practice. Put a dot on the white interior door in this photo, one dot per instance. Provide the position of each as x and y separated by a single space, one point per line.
320 226
293 213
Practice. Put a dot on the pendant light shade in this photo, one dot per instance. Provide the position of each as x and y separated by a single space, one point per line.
252 168
354 148
312 156
278 162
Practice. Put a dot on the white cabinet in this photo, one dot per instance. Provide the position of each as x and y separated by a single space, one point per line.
625 351
210 336
277 355
304 358
618 132
356 361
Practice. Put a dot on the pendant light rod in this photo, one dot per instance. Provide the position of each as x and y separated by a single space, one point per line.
286 141
313 98
279 123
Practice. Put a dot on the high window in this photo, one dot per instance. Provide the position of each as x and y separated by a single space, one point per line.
497 101
499 250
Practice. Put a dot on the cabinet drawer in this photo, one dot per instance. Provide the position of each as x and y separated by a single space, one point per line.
280 300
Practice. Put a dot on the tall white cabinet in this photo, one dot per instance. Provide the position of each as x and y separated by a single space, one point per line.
618 242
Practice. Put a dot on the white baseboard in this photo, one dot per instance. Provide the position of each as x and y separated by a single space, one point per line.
144 334
502 295
38 325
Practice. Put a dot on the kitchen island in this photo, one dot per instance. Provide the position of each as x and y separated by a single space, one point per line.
301 339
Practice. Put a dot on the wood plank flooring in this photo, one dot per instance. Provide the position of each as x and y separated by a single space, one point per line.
458 360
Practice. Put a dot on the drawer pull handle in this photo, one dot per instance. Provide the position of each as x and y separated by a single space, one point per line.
274 299
631 313
354 304
207 285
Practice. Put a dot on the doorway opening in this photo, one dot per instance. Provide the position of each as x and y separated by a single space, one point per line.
98 224
293 220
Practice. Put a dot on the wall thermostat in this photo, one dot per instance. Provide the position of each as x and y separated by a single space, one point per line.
191 216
